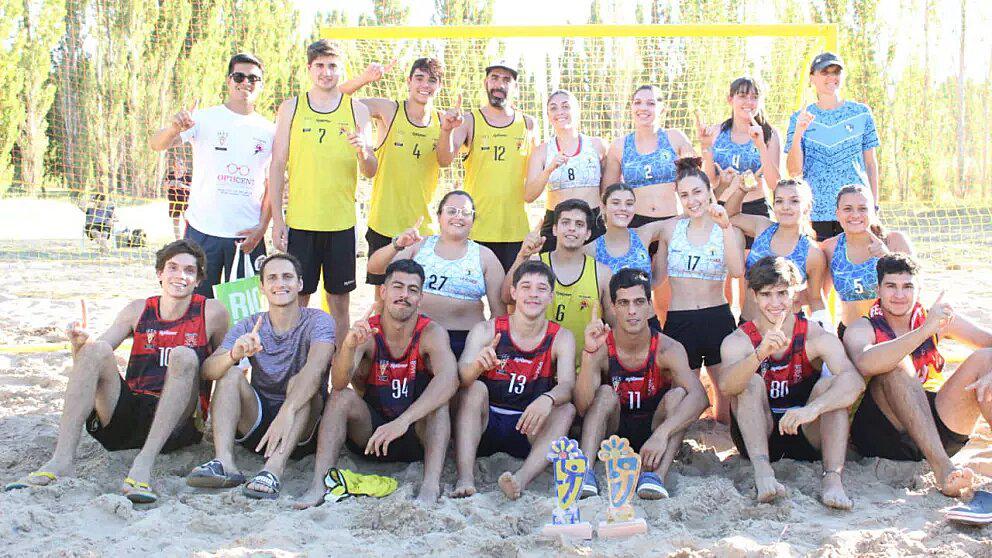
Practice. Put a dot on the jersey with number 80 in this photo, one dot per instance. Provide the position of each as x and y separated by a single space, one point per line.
394 383
521 376
789 380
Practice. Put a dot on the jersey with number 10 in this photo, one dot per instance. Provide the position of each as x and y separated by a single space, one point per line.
322 168
407 175
495 171
521 376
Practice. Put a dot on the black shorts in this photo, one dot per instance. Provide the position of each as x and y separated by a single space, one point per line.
826 229
405 449
267 411
132 419
755 207
330 251
456 338
501 435
640 220
636 427
178 197
220 257
874 436
780 446
375 242
598 228
701 332
506 252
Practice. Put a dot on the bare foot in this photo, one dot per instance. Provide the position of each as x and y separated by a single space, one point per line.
960 478
832 492
509 485
311 498
429 494
768 488
463 488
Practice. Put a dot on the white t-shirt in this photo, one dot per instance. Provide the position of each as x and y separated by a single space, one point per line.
231 155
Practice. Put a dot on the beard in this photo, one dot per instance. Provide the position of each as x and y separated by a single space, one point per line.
498 102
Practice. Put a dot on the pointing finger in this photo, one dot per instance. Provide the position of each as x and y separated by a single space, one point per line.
595 311
781 321
940 298
258 325
699 120
419 222
389 67
753 121
82 308
368 313
196 103
458 103
495 340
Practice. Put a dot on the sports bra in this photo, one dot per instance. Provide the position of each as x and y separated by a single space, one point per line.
762 247
852 281
742 157
696 262
636 257
581 170
657 167
462 278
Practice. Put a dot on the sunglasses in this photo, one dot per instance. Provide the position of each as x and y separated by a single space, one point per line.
239 77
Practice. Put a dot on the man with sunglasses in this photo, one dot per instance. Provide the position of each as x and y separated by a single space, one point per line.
322 142
232 148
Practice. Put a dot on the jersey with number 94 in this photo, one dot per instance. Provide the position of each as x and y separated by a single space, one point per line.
521 376
395 382
790 379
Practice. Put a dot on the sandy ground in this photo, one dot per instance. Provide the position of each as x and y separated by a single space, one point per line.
712 511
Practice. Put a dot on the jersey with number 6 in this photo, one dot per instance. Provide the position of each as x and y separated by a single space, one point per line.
521 376
789 380
573 304
395 382
639 389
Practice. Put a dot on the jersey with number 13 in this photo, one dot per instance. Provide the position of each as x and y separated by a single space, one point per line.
521 376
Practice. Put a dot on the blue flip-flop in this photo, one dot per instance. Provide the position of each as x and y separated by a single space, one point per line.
976 512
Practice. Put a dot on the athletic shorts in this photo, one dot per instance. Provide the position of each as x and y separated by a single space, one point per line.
220 256
874 436
330 251
636 427
375 242
178 197
405 449
267 411
501 434
701 332
640 220
779 446
826 229
457 337
598 228
755 207
132 419
506 252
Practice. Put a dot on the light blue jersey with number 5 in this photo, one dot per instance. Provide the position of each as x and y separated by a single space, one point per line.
853 281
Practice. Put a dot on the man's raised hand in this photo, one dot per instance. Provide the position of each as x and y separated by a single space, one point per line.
453 117
249 344
183 120
361 330
409 237
487 359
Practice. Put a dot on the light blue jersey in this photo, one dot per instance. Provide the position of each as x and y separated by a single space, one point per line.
636 257
657 167
833 152
762 247
852 281
741 157
462 278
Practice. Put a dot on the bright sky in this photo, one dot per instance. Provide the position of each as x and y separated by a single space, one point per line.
905 29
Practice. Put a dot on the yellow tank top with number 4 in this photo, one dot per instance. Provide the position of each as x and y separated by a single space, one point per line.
322 168
573 303
407 175
495 171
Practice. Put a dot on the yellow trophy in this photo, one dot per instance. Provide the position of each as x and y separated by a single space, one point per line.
622 468
569 467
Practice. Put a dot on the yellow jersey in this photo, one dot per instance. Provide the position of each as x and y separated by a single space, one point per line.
407 176
322 168
573 303
495 171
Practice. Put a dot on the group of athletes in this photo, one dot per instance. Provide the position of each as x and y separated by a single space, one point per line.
600 317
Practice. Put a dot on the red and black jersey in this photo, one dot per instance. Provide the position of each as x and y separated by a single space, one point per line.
394 383
521 376
154 339
927 360
640 389
789 380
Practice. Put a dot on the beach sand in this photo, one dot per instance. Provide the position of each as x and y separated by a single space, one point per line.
712 512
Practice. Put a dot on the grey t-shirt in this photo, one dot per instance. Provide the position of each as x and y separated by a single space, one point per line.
282 356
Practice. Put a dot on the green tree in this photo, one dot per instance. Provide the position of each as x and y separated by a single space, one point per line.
11 110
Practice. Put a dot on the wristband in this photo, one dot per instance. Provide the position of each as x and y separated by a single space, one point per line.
585 350
552 398
396 246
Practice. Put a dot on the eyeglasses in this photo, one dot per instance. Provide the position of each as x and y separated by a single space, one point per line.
239 77
455 211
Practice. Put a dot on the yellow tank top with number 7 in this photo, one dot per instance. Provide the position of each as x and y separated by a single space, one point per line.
495 171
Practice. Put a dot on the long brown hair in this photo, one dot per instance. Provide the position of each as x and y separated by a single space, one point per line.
876 226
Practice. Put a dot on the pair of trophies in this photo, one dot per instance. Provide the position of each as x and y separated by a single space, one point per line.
623 466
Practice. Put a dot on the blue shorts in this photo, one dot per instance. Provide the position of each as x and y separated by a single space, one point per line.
501 434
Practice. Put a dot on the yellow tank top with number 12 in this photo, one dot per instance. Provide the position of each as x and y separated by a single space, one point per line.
495 170
407 175
322 168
